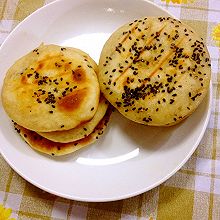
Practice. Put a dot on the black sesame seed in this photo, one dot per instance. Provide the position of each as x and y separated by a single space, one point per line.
172 101
29 75
169 79
145 120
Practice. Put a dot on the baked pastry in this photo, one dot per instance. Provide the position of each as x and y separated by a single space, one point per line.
81 130
46 146
51 88
155 70
52 95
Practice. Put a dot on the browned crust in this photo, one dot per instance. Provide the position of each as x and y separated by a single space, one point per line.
72 101
46 146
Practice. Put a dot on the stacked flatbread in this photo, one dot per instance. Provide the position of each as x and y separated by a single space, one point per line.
52 94
155 71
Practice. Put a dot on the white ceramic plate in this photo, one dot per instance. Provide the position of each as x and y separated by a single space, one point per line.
130 158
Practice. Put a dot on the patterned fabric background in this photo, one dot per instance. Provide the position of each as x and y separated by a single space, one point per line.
192 193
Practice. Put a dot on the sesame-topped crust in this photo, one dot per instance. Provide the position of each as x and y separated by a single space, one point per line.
82 130
46 146
51 88
155 70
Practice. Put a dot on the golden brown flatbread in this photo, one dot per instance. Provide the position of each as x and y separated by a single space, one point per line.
80 131
155 70
46 146
51 88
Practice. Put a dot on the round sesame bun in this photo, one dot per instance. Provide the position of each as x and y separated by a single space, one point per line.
155 71
51 88
80 131
46 146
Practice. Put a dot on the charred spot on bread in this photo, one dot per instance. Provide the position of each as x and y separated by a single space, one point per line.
79 75
72 101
